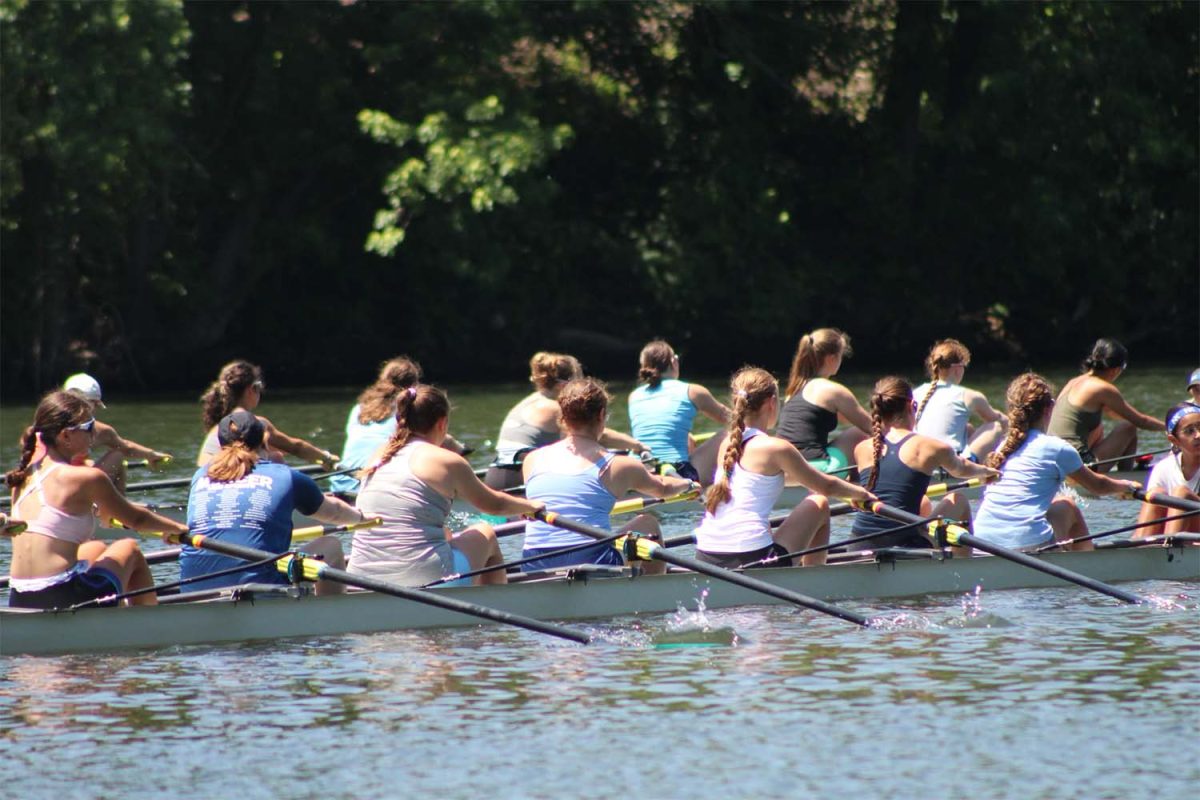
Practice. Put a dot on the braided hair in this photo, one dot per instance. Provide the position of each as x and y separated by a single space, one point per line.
944 355
222 395
811 351
378 401
56 412
891 397
655 359
418 409
1028 397
751 387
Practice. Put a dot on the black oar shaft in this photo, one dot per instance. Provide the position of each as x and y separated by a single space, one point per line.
1161 498
660 553
406 593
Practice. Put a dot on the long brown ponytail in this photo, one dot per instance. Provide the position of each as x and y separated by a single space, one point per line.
889 399
56 412
1028 397
944 355
378 401
751 387
811 351
222 394
418 409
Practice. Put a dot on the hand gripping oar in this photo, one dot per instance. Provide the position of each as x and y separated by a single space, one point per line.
1160 498
648 550
298 566
958 535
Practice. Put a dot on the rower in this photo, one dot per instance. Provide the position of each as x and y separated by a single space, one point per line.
118 449
1088 397
945 406
56 561
239 499
412 488
1023 509
240 387
897 463
661 413
578 478
1178 474
815 403
533 422
1193 386
753 469
372 421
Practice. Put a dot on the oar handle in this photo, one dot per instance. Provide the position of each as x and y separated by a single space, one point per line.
1165 499
640 503
298 534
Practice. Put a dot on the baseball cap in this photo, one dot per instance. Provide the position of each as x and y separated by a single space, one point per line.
1194 378
85 386
241 426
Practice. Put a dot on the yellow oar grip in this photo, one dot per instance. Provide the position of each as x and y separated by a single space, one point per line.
312 532
310 568
638 503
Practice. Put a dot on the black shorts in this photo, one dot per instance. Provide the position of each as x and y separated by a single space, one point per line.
81 587
737 560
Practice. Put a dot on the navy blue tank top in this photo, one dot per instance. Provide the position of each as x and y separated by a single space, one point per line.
899 486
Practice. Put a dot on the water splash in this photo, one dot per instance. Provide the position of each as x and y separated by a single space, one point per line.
974 615
693 628
1164 603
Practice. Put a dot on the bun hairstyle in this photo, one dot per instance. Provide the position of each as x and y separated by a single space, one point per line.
56 412
751 387
1106 354
655 359
547 370
944 355
418 409
811 351
890 398
222 395
1028 397
378 401
582 403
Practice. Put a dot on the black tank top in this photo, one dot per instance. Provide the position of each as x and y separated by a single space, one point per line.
806 425
900 486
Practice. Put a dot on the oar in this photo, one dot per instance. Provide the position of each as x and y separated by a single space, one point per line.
1160 498
175 483
1133 457
648 550
313 569
145 462
1115 531
960 536
306 534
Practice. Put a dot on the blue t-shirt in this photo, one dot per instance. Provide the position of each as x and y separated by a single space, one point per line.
661 418
1013 510
255 511
361 443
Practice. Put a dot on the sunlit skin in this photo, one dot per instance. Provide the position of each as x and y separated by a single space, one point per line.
1186 442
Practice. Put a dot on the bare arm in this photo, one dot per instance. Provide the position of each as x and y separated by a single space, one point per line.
107 436
1096 483
616 440
943 456
797 471
849 410
1115 405
627 474
300 448
461 481
708 405
336 512
113 505
978 405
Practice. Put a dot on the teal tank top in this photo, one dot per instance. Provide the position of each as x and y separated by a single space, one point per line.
661 418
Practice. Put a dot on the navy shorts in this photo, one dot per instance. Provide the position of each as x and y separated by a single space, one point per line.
83 585
603 554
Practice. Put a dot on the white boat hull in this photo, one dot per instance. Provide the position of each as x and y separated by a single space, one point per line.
272 617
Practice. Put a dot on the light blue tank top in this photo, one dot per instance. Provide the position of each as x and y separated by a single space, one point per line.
579 496
361 443
661 418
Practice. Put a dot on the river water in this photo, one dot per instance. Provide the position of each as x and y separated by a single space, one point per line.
1044 693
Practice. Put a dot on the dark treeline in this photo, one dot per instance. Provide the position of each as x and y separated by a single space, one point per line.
317 186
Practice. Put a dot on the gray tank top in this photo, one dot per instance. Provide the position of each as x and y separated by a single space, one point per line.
518 436
410 546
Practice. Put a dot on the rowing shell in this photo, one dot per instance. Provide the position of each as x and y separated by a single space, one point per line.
245 615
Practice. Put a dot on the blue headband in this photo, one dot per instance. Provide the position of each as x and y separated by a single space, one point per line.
1184 410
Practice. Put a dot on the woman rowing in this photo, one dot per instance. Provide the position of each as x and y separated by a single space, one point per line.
1024 509
533 422
56 562
945 406
239 498
896 464
1087 398
412 488
578 478
372 421
753 469
239 387
815 403
1178 474
662 409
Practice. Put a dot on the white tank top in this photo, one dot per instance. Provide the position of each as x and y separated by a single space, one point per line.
946 414
742 524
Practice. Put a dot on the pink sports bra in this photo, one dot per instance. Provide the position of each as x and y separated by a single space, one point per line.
54 522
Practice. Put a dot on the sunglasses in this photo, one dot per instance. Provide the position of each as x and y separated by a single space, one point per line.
86 427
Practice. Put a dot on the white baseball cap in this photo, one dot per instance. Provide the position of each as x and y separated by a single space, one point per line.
86 386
